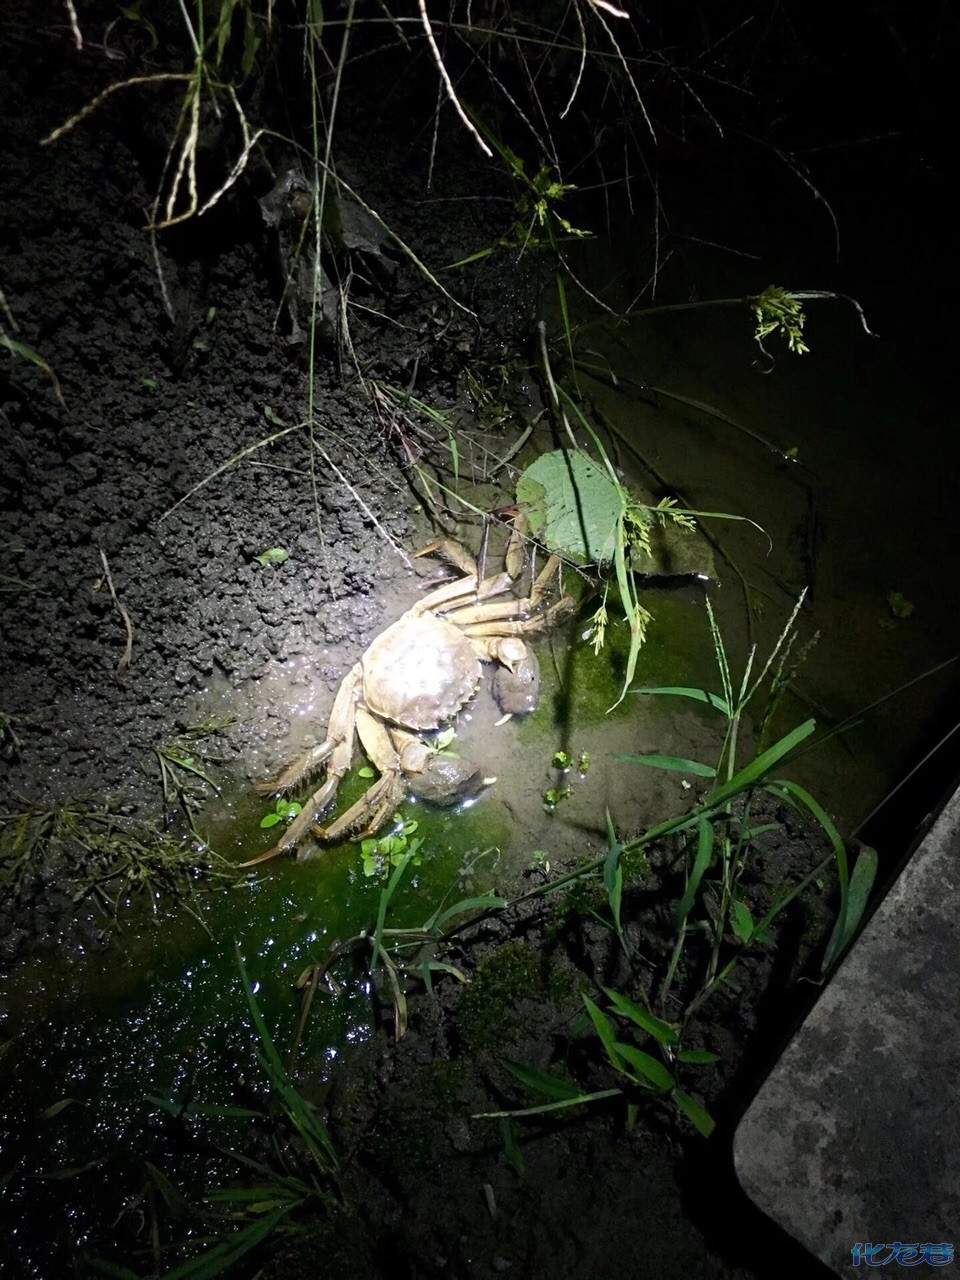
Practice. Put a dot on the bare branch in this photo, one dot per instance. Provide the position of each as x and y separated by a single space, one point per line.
451 92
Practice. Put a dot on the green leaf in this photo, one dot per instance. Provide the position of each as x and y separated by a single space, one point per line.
270 820
858 895
604 1029
701 862
543 1081
273 555
742 922
226 1254
57 1107
510 1147
674 763
899 605
28 353
385 895
695 1112
366 772
613 873
573 506
661 1031
699 695
800 798
170 1105
648 1069
698 1057
760 765
485 902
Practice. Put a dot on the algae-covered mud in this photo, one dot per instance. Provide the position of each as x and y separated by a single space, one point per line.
222 441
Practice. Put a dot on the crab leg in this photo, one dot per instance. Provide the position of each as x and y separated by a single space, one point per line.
481 613
379 800
519 626
337 750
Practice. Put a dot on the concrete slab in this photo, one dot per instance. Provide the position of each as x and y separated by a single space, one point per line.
855 1136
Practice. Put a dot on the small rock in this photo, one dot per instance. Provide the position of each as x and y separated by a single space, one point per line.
446 780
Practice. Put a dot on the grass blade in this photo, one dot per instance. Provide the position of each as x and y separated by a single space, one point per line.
675 763
661 1031
650 1069
699 695
858 894
613 874
756 769
543 1081
695 1112
578 1101
604 1029
701 862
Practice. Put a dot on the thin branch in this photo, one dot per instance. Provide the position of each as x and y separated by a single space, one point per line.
128 650
92 105
451 92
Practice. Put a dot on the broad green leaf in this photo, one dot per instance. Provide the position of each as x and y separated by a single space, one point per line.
661 1031
272 555
573 505
270 820
674 763
650 1069
695 1112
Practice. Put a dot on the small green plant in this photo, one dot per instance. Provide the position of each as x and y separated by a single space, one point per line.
382 852
183 766
899 605
778 310
561 760
272 555
643 1075
283 811
23 351
556 795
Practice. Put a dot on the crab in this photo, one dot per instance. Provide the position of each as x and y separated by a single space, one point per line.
414 677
